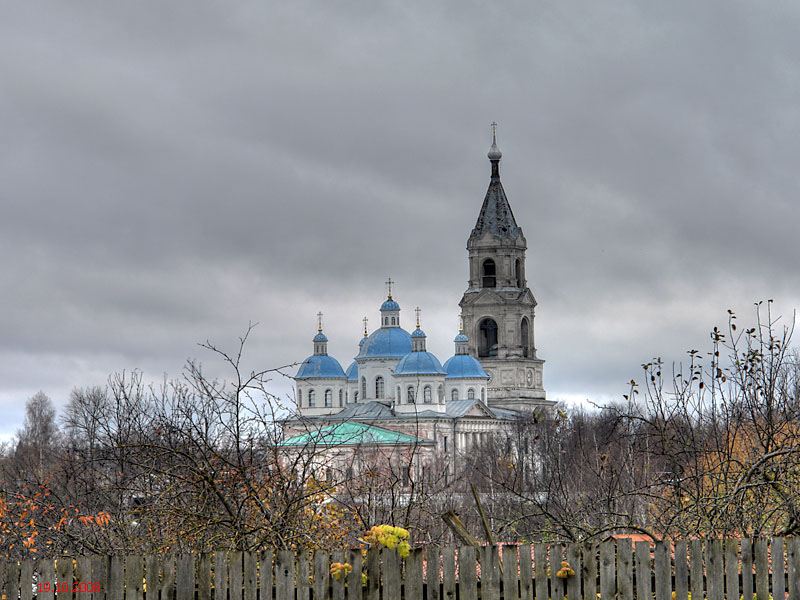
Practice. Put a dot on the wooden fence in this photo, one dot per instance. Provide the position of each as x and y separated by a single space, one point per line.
696 569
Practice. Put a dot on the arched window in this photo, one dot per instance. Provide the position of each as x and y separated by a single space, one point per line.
355 396
299 397
524 336
341 397
487 338
379 387
311 399
427 394
454 394
489 274
470 394
399 397
441 394
410 395
518 272
363 388
483 394
328 398
393 321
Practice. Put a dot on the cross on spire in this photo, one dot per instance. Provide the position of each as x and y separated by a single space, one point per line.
389 282
418 310
460 324
319 321
365 326
494 131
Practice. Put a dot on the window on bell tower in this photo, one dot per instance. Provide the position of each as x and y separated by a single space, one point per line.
489 274
487 338
518 272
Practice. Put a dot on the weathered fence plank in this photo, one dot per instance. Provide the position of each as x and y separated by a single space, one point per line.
490 573
134 578
625 569
221 576
322 574
432 573
354 585
251 577
413 587
510 574
448 574
608 571
681 571
697 569
26 577
714 569
574 560
184 577
284 575
644 583
526 573
732 568
747 568
661 554
47 575
467 580
152 576
338 584
555 556
83 577
374 574
793 568
265 574
778 569
116 581
589 572
235 576
390 571
12 580
540 571
204 577
64 574
762 569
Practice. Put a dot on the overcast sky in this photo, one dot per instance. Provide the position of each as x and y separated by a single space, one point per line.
171 171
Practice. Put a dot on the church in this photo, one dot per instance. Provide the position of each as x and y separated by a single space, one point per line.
397 394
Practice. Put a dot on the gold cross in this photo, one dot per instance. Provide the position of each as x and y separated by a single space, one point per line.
365 326
418 310
319 321
389 282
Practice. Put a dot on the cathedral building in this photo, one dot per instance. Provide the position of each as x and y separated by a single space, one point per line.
395 392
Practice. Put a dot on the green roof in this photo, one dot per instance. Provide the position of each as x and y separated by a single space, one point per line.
351 433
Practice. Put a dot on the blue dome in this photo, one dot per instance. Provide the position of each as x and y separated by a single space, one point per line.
461 337
419 363
418 333
391 342
320 337
464 366
320 366
361 343
390 305
352 372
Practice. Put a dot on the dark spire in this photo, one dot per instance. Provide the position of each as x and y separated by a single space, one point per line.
496 215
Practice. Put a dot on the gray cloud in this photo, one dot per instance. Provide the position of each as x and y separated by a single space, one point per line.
171 172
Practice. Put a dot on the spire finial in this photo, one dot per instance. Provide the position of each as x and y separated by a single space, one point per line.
319 321
365 326
494 152
460 324
418 310
389 282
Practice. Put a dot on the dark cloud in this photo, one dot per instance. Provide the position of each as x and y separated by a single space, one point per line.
171 172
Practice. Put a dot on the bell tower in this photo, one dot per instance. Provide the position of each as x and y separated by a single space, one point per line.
498 307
